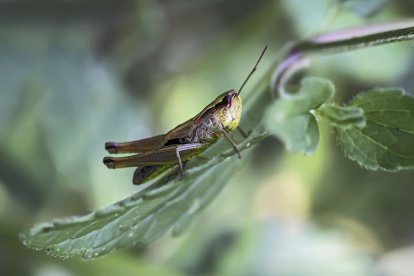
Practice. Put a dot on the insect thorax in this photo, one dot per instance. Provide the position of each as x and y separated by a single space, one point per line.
208 129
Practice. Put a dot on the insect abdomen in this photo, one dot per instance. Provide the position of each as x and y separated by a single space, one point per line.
144 174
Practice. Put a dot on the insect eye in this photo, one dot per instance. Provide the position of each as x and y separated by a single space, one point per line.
227 101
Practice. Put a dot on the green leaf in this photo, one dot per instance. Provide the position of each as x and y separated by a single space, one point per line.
387 141
343 116
141 218
290 119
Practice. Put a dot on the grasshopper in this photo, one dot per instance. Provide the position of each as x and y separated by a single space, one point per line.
156 154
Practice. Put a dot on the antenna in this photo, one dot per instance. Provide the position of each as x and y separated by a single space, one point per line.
253 70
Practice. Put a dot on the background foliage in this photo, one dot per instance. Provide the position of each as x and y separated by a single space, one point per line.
77 74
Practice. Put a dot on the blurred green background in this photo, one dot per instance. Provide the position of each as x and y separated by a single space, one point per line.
75 74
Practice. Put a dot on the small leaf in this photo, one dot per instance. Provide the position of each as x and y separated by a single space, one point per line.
387 141
343 116
290 120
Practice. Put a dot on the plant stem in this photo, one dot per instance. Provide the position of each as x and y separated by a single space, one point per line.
337 42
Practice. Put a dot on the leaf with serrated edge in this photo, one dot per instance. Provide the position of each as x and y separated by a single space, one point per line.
136 220
387 141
